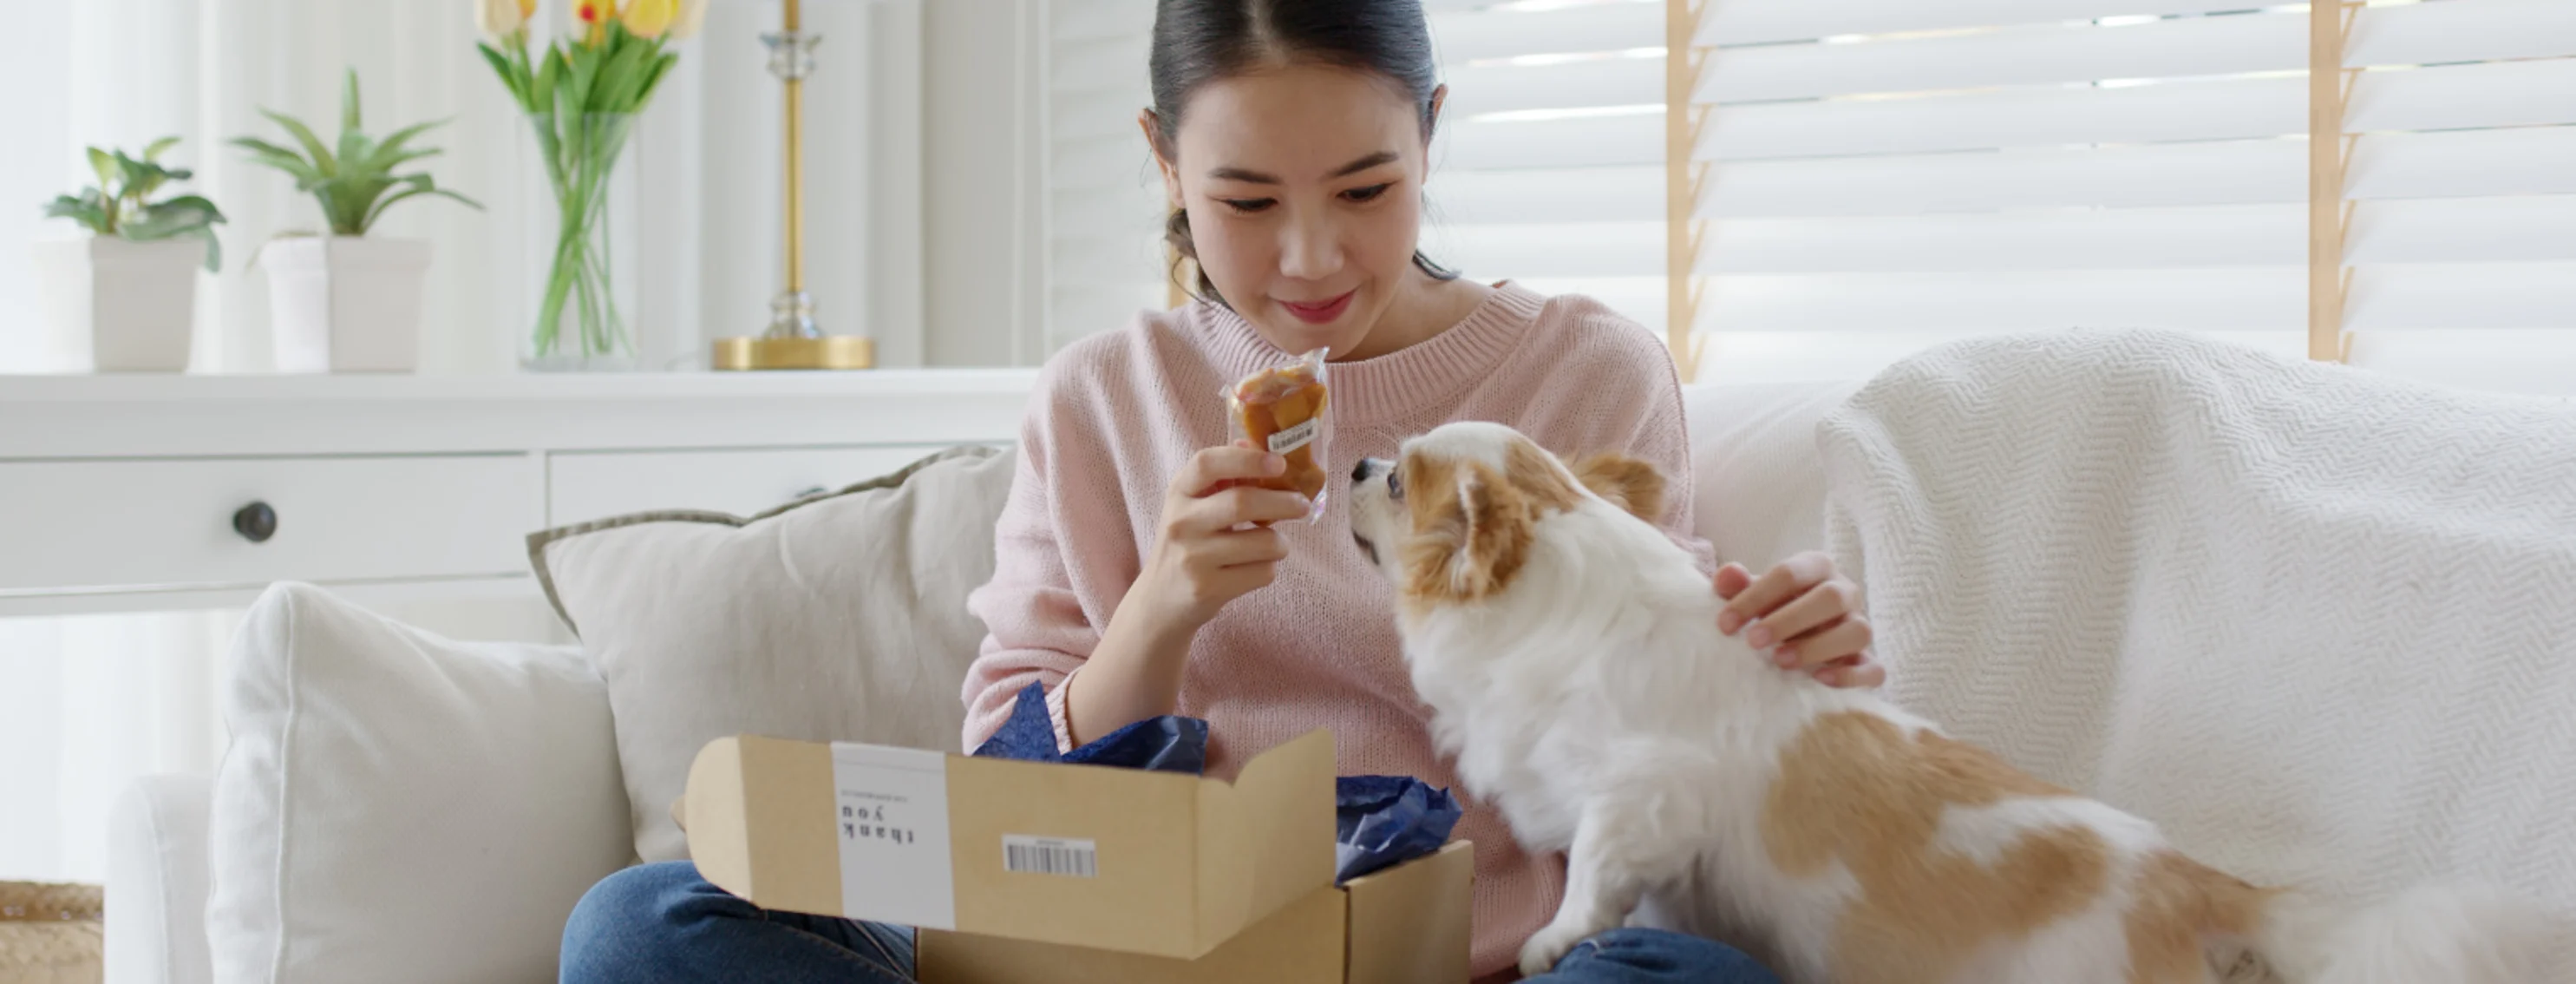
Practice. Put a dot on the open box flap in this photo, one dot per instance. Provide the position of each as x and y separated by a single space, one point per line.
1168 864
748 781
1267 839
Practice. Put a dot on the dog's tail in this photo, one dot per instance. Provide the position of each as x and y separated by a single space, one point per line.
2433 934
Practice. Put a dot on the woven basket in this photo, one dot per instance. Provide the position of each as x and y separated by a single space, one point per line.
51 934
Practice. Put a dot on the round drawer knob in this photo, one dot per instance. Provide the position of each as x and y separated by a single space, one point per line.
255 522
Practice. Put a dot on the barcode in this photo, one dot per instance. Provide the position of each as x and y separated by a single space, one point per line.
1051 856
1293 438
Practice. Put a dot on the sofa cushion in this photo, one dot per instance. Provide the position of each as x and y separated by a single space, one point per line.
396 806
1759 479
156 868
838 617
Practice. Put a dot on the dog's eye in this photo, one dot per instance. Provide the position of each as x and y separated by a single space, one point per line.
1395 484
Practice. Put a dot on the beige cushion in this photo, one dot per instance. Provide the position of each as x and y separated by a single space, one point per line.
1759 476
396 807
839 617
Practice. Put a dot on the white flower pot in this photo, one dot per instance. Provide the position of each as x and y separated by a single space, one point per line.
117 306
346 303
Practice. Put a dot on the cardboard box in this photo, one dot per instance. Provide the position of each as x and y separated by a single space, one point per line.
1405 925
1123 860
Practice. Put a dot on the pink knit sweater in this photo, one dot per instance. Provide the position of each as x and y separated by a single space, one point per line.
1116 415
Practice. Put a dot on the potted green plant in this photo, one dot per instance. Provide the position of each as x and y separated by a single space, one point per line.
124 299
344 301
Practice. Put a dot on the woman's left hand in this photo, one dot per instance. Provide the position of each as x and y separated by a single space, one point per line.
1805 615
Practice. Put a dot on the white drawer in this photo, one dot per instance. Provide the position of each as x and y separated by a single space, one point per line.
172 522
587 486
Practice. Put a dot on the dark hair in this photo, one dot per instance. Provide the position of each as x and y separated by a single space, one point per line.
1201 41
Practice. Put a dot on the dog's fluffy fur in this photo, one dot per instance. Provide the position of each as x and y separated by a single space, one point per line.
1571 656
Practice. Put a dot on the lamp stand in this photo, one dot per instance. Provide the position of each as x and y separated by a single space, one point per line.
792 340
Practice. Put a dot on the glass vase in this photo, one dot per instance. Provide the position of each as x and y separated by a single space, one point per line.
578 324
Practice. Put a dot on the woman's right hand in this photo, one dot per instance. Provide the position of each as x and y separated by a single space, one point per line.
1215 543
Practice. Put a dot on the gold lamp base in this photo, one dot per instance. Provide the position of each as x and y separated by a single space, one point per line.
831 352
793 341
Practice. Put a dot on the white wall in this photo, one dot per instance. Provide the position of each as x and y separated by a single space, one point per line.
698 193
89 702
142 698
982 97
863 173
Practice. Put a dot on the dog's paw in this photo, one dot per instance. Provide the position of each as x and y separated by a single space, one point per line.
1547 946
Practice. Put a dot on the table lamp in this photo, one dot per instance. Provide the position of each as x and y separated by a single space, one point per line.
793 341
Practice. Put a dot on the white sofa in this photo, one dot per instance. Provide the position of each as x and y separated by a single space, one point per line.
1760 496
397 807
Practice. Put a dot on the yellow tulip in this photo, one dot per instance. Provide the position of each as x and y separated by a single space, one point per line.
501 18
597 14
527 9
649 18
693 15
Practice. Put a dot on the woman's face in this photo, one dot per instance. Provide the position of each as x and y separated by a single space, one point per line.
1304 191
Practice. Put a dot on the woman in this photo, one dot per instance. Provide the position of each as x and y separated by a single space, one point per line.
1292 137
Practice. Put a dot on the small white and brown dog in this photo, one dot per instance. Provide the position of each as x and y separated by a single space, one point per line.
1570 654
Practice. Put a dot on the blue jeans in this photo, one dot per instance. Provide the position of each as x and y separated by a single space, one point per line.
662 924
1652 956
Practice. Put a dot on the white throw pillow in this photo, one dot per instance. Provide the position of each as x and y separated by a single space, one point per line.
1758 476
397 807
838 617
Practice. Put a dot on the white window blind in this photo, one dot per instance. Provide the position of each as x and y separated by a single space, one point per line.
1538 171
1882 175
1885 174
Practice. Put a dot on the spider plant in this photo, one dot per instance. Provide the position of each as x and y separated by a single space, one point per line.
357 184
119 205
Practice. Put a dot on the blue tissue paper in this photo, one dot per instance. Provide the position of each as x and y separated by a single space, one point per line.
1383 821
1163 744
1389 820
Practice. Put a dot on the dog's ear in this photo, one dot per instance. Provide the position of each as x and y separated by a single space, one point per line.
1472 531
1628 483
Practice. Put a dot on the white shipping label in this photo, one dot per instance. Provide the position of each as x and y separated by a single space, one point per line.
892 821
1294 437
1051 856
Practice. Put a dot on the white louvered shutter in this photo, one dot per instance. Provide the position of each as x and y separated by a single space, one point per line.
1548 167
1518 188
2462 239
1891 173
1103 208
1888 174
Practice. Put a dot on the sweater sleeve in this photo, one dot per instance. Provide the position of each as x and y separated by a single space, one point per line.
1650 424
1663 438
1037 630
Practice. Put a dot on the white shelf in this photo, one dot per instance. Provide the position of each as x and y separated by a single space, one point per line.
29 391
73 417
122 489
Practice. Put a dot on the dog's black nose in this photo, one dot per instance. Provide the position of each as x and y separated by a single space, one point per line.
1360 472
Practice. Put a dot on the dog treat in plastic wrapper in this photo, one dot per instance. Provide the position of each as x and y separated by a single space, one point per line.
1282 410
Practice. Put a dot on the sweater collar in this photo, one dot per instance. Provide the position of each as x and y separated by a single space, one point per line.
1374 391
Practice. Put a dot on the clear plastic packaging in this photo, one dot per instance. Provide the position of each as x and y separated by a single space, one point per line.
1283 410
